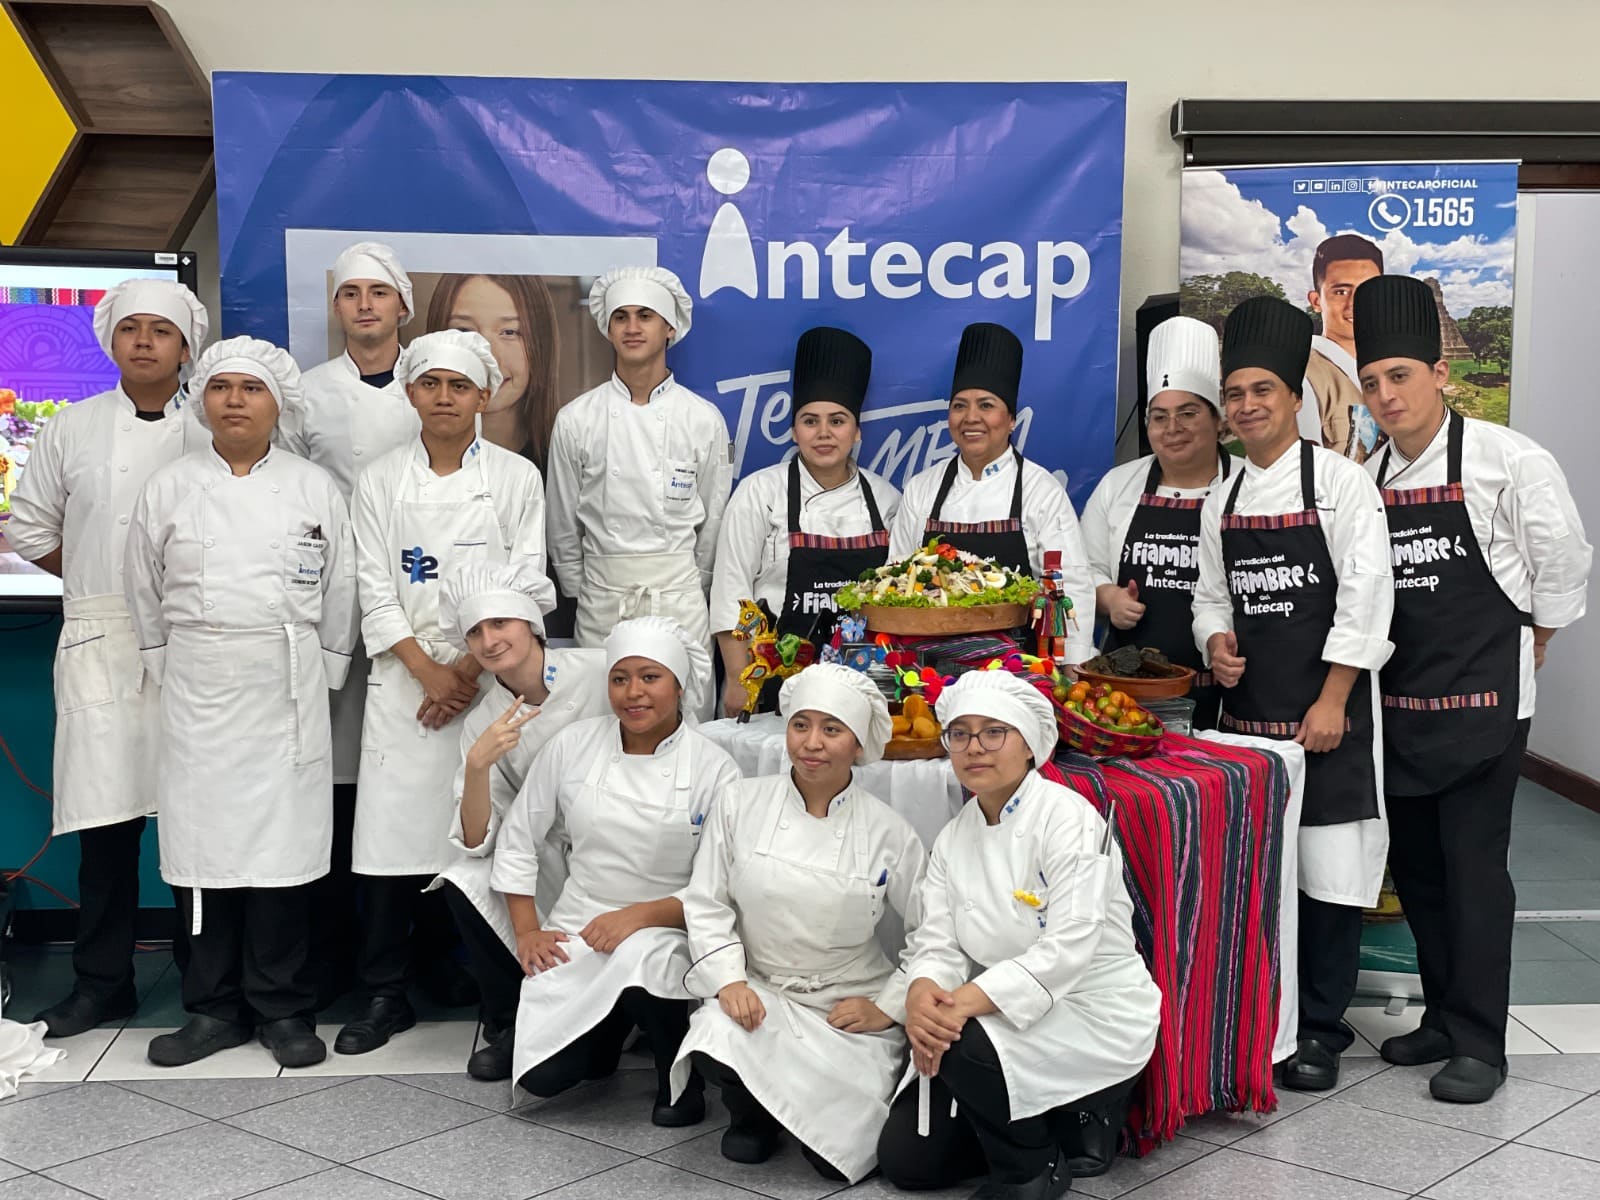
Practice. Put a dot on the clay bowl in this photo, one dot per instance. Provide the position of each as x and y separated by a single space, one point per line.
1145 687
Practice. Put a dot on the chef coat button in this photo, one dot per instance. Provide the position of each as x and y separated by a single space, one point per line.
208 487
839 834
783 824
122 520
665 772
123 467
657 470
357 451
614 471
210 542
1018 833
569 705
967 906
209 604
272 604
613 758
273 543
274 488
126 427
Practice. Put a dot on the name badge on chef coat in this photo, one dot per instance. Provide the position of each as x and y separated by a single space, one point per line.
680 482
304 568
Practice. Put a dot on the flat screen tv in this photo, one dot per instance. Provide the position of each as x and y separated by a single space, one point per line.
49 359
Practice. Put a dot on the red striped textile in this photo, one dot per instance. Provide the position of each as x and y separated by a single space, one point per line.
1278 729
1201 829
1398 498
860 541
1283 521
1009 525
1149 501
1443 703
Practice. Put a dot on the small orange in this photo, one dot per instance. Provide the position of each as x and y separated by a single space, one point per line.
1078 691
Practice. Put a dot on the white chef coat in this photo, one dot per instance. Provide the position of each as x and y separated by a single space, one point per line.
83 477
1527 526
1110 510
576 680
633 822
243 596
1048 522
790 903
753 547
1078 1011
1340 864
637 493
492 508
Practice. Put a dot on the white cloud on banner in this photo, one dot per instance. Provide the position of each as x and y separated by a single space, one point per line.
1222 231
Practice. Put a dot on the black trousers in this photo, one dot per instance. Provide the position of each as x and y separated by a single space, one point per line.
402 929
248 961
595 1054
335 937
493 968
1448 855
1330 960
108 899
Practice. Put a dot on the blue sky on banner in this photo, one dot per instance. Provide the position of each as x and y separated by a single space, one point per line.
1455 222
900 212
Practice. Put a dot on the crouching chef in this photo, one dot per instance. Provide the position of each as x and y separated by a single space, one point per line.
241 582
1030 1012
632 791
782 914
424 509
1292 609
69 515
491 611
1490 559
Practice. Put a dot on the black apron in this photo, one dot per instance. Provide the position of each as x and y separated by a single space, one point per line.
1281 577
1002 541
1162 555
1452 687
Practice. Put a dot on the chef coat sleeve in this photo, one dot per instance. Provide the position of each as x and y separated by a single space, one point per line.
715 946
718 485
1097 535
340 619
1027 986
717 776
932 949
1056 528
528 820
741 545
563 535
1213 606
383 620
39 503
1549 533
906 874
1358 542
144 582
528 536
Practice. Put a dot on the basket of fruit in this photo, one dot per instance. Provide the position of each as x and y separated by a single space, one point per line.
1141 673
1104 722
940 591
916 731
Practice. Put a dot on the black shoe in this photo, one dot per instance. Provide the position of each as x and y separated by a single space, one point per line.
1312 1068
689 1110
447 983
1093 1127
750 1144
293 1042
491 1062
1465 1080
202 1037
385 1017
79 1014
822 1166
1421 1045
1045 1186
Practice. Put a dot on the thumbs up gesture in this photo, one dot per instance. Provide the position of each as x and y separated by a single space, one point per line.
1227 665
1121 605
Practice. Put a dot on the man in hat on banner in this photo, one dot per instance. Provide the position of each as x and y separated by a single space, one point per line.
1490 559
640 471
1291 608
1334 411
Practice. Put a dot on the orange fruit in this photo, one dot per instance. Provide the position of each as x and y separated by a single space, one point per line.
1078 691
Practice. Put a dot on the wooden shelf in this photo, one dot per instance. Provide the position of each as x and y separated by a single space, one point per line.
140 168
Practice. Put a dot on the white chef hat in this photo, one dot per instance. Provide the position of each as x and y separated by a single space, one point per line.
655 288
1184 356
477 591
157 298
451 350
374 260
662 640
1003 696
248 356
845 694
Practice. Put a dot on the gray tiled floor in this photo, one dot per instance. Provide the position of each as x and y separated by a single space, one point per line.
442 1137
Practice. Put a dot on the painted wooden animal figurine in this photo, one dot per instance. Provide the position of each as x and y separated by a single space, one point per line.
771 656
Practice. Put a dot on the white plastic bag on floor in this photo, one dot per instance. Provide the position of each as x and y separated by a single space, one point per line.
23 1053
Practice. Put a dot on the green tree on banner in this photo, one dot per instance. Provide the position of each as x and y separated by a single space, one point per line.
1488 332
1210 298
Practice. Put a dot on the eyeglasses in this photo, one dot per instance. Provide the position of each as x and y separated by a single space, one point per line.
1184 418
990 737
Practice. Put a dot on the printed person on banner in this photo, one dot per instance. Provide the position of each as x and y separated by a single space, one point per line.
795 533
640 471
1333 411
1490 559
422 511
69 515
1142 524
492 612
1293 600
988 500
240 577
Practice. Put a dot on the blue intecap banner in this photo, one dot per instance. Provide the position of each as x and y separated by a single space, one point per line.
900 212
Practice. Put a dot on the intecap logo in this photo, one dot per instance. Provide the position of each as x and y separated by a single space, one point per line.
892 270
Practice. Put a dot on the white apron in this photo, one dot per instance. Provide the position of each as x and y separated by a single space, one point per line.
830 1089
245 771
108 718
617 587
404 796
559 1006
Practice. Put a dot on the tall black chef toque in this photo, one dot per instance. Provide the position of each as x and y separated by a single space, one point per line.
831 365
1396 317
1271 334
990 358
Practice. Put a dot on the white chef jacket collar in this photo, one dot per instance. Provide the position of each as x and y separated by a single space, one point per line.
655 393
221 463
793 796
1400 462
1009 809
996 466
172 406
1292 454
668 743
816 489
348 365
420 459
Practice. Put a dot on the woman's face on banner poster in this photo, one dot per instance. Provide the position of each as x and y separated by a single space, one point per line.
484 307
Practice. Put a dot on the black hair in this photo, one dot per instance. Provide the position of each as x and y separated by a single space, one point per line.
1343 247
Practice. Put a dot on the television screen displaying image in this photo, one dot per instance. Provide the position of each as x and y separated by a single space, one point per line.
49 359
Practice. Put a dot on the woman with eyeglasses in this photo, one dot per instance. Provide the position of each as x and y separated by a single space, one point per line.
1029 1009
1142 524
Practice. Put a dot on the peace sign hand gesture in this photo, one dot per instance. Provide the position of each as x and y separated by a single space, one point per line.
502 736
